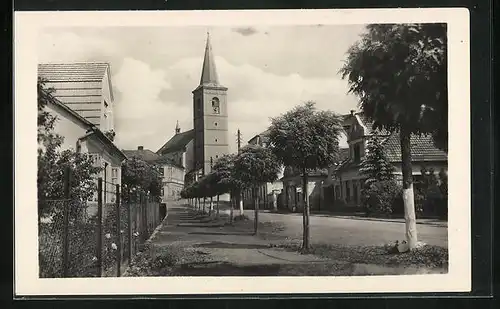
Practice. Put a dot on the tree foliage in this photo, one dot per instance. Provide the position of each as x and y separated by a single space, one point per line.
53 162
256 165
375 165
399 73
140 176
225 177
306 138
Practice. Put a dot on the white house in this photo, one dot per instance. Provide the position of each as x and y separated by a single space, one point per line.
171 171
83 136
344 180
83 104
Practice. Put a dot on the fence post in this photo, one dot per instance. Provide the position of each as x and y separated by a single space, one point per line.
118 232
129 218
66 205
99 227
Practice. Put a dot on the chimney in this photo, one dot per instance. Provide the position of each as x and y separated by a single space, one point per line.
177 128
140 148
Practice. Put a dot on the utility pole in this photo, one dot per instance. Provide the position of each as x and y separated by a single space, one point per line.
211 197
240 195
239 140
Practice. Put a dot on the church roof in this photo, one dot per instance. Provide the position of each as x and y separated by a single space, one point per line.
79 71
178 142
209 72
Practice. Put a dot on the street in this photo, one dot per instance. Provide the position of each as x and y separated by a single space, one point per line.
333 230
202 245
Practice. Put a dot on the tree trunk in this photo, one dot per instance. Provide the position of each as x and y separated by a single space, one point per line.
211 206
305 245
217 206
240 202
275 202
256 207
232 200
408 198
204 204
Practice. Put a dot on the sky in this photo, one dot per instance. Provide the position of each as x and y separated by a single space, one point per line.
267 70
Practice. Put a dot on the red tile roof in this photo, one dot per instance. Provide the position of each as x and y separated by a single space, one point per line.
422 148
144 154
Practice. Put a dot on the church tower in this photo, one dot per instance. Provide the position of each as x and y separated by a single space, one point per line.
210 115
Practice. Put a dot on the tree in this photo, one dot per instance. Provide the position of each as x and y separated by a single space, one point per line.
140 176
226 180
375 165
253 166
399 73
306 139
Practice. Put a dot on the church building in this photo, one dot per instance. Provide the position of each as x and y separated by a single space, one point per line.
197 149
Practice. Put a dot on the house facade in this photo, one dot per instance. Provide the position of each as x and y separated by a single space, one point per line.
171 172
268 193
83 104
345 181
82 136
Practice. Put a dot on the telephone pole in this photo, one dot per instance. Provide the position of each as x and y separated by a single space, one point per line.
239 140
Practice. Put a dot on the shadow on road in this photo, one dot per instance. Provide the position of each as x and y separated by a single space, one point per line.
222 233
225 245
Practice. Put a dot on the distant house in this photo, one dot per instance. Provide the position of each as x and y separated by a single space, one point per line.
83 104
171 171
268 193
346 182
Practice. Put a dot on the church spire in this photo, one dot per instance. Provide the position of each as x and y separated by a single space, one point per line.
209 73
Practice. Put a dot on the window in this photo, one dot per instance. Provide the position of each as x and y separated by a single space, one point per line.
355 189
216 105
347 191
161 170
357 153
216 156
216 124
105 103
96 159
114 175
216 140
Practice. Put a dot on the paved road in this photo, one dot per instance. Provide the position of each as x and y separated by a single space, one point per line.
353 231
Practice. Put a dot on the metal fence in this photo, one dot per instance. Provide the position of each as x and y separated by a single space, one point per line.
94 239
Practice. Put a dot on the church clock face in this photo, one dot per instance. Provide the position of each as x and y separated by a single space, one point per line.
216 105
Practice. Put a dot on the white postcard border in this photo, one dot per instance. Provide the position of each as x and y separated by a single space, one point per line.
28 24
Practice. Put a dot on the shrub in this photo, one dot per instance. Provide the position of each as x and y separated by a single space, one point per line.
381 197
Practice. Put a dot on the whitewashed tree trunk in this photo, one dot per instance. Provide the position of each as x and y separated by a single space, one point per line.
275 201
408 197
240 201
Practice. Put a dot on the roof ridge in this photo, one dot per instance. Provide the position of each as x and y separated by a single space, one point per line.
74 62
